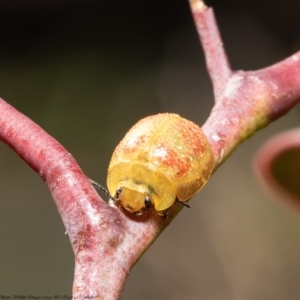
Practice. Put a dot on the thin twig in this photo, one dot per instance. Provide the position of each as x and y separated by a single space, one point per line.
215 55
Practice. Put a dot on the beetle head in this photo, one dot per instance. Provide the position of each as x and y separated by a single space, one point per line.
133 200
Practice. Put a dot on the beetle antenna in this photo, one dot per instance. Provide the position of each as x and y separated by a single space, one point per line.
183 203
101 188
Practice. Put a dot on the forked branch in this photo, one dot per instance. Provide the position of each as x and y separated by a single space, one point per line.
106 241
244 101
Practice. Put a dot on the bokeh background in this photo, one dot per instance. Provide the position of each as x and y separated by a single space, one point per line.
88 70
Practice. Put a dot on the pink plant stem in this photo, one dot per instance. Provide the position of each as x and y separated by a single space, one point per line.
216 59
245 101
106 241
250 101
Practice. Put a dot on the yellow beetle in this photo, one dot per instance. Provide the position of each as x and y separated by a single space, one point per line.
161 159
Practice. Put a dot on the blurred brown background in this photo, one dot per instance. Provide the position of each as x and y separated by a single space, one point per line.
88 70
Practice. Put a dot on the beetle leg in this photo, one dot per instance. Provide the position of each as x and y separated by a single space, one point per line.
183 203
100 187
118 193
138 213
116 199
163 213
147 202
